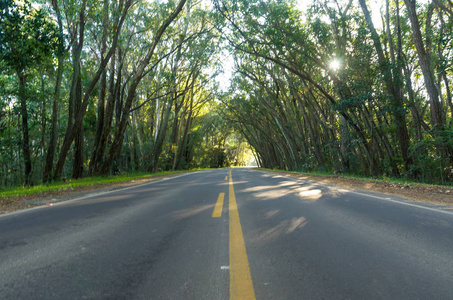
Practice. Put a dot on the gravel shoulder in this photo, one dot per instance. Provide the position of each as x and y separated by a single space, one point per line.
415 192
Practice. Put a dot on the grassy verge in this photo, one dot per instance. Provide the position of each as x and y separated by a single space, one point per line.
73 183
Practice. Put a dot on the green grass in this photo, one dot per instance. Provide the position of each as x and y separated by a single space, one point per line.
73 183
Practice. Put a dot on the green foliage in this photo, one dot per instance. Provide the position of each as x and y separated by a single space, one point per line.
215 144
28 36
287 105
430 166
299 112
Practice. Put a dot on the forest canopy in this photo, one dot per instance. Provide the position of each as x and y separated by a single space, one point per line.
104 87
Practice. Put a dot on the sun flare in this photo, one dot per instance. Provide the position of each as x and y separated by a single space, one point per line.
335 64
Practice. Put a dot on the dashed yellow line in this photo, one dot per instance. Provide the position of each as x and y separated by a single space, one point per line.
241 285
217 213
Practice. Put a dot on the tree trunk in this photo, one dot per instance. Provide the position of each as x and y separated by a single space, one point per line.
102 90
26 138
314 141
77 167
442 71
117 142
423 60
73 93
73 129
175 127
157 148
47 176
42 143
114 95
136 140
175 132
183 144
344 145
393 87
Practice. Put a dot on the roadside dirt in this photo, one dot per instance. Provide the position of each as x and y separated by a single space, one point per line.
11 204
415 192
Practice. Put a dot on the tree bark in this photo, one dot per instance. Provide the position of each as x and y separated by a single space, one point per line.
25 131
157 147
114 95
73 128
393 89
423 60
102 90
314 141
117 142
47 175
183 144
77 168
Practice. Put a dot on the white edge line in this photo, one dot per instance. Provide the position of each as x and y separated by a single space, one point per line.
369 195
94 195
405 203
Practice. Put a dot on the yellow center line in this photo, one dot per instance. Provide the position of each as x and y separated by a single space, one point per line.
241 285
217 213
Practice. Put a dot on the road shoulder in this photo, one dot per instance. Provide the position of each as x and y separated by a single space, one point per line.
12 204
442 195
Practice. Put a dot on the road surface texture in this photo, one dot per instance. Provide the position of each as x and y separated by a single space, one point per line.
228 234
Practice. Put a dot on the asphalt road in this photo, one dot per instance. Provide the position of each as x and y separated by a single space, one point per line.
294 240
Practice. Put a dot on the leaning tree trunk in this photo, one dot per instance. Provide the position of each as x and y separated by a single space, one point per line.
157 148
183 143
102 90
73 129
119 136
423 60
392 89
114 94
117 142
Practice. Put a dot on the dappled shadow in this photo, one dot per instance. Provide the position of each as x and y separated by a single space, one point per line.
280 203
285 227
192 211
305 190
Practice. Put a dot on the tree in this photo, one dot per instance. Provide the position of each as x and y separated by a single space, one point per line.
425 65
47 175
79 104
28 38
393 81
132 87
117 142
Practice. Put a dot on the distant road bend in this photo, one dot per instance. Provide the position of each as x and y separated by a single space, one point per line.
228 234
